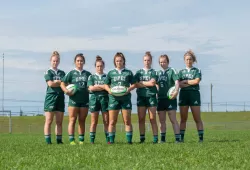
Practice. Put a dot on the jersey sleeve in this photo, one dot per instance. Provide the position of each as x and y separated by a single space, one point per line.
180 75
198 74
154 75
136 77
90 81
175 75
131 78
108 79
48 76
67 78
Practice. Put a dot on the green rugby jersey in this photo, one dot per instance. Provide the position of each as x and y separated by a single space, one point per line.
97 79
165 80
145 75
190 74
51 75
123 77
80 79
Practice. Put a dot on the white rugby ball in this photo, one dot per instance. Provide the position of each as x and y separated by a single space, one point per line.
118 90
71 87
170 91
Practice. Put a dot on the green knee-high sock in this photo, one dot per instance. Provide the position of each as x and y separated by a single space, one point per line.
48 139
182 134
155 139
92 137
201 133
129 136
59 139
71 138
163 137
142 138
81 137
111 137
107 136
177 137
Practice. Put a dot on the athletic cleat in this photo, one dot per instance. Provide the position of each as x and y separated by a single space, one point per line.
60 143
163 142
200 141
92 143
109 143
80 143
130 143
178 141
72 143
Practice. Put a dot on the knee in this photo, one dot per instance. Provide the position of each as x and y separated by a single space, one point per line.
93 123
112 123
48 121
152 121
141 119
59 123
162 121
72 120
106 122
198 121
127 122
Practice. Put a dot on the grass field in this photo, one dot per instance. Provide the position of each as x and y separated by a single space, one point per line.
226 146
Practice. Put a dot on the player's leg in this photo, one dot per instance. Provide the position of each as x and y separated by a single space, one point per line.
161 109
94 108
105 115
58 128
93 125
113 115
171 109
126 114
152 118
184 117
81 122
59 118
73 112
175 124
114 108
152 104
184 106
196 111
141 111
49 108
47 126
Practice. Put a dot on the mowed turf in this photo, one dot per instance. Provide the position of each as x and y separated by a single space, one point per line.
226 146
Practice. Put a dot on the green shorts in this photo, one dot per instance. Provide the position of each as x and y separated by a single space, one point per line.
54 102
78 104
189 98
98 103
146 101
166 104
117 103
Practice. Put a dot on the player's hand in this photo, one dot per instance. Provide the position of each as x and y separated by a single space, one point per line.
69 92
58 81
174 95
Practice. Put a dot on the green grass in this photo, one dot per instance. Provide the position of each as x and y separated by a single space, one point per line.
226 146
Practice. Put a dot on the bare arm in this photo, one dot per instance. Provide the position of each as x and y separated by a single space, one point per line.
194 82
183 83
107 88
55 83
150 83
97 88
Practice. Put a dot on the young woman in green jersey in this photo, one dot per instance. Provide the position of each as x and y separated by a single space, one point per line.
190 78
120 76
79 101
98 99
146 97
54 100
167 78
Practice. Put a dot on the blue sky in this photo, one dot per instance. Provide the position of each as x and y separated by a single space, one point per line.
217 31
